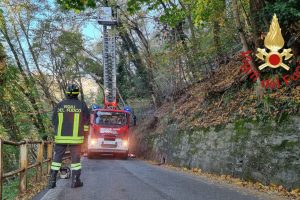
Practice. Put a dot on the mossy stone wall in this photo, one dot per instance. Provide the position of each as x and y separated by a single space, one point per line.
268 152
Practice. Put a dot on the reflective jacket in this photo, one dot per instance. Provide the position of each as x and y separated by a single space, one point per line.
70 119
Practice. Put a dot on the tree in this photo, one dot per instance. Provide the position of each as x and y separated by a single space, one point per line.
29 90
7 117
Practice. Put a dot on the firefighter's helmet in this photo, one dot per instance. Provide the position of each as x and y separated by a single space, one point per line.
72 90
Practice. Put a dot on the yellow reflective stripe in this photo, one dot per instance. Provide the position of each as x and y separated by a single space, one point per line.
69 141
56 164
76 124
76 168
60 122
85 128
69 138
75 165
54 168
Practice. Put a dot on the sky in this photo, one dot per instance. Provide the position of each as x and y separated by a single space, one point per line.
92 30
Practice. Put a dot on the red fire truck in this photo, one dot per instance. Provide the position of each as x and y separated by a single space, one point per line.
108 133
109 126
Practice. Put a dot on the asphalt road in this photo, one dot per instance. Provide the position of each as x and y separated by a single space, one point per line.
137 180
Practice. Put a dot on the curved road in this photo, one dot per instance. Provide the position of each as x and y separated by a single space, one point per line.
138 180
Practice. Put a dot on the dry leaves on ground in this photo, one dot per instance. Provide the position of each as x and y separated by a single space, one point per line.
273 189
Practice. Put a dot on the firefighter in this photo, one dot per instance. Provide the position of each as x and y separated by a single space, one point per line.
70 120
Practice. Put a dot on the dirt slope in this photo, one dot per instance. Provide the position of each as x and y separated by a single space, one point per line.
226 96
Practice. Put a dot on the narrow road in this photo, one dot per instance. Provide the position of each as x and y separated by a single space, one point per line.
137 180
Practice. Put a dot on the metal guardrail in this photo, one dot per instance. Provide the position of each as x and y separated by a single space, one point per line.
23 162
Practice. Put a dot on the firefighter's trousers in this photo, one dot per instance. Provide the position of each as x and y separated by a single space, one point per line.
59 151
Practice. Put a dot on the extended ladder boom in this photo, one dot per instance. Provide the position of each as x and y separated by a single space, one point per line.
109 57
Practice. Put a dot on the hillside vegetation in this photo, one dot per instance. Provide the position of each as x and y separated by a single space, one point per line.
227 96
234 131
178 65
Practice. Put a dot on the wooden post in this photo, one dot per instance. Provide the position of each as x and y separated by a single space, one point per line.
49 155
1 167
23 166
39 160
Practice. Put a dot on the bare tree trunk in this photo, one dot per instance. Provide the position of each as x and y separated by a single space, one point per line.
79 79
180 37
195 46
56 72
23 54
242 35
37 119
217 40
43 81
255 7
189 19
146 75
240 29
239 26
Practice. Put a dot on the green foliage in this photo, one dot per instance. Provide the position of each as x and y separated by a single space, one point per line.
20 105
172 15
69 49
241 131
3 131
77 5
208 10
11 158
69 42
10 189
91 66
285 145
11 185
134 6
125 83
287 11
180 49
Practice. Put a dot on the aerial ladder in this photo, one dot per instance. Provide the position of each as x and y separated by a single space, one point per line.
108 133
109 23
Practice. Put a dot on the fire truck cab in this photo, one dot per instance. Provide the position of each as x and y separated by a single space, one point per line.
108 134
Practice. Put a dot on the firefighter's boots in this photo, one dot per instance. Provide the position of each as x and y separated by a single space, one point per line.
76 182
52 179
